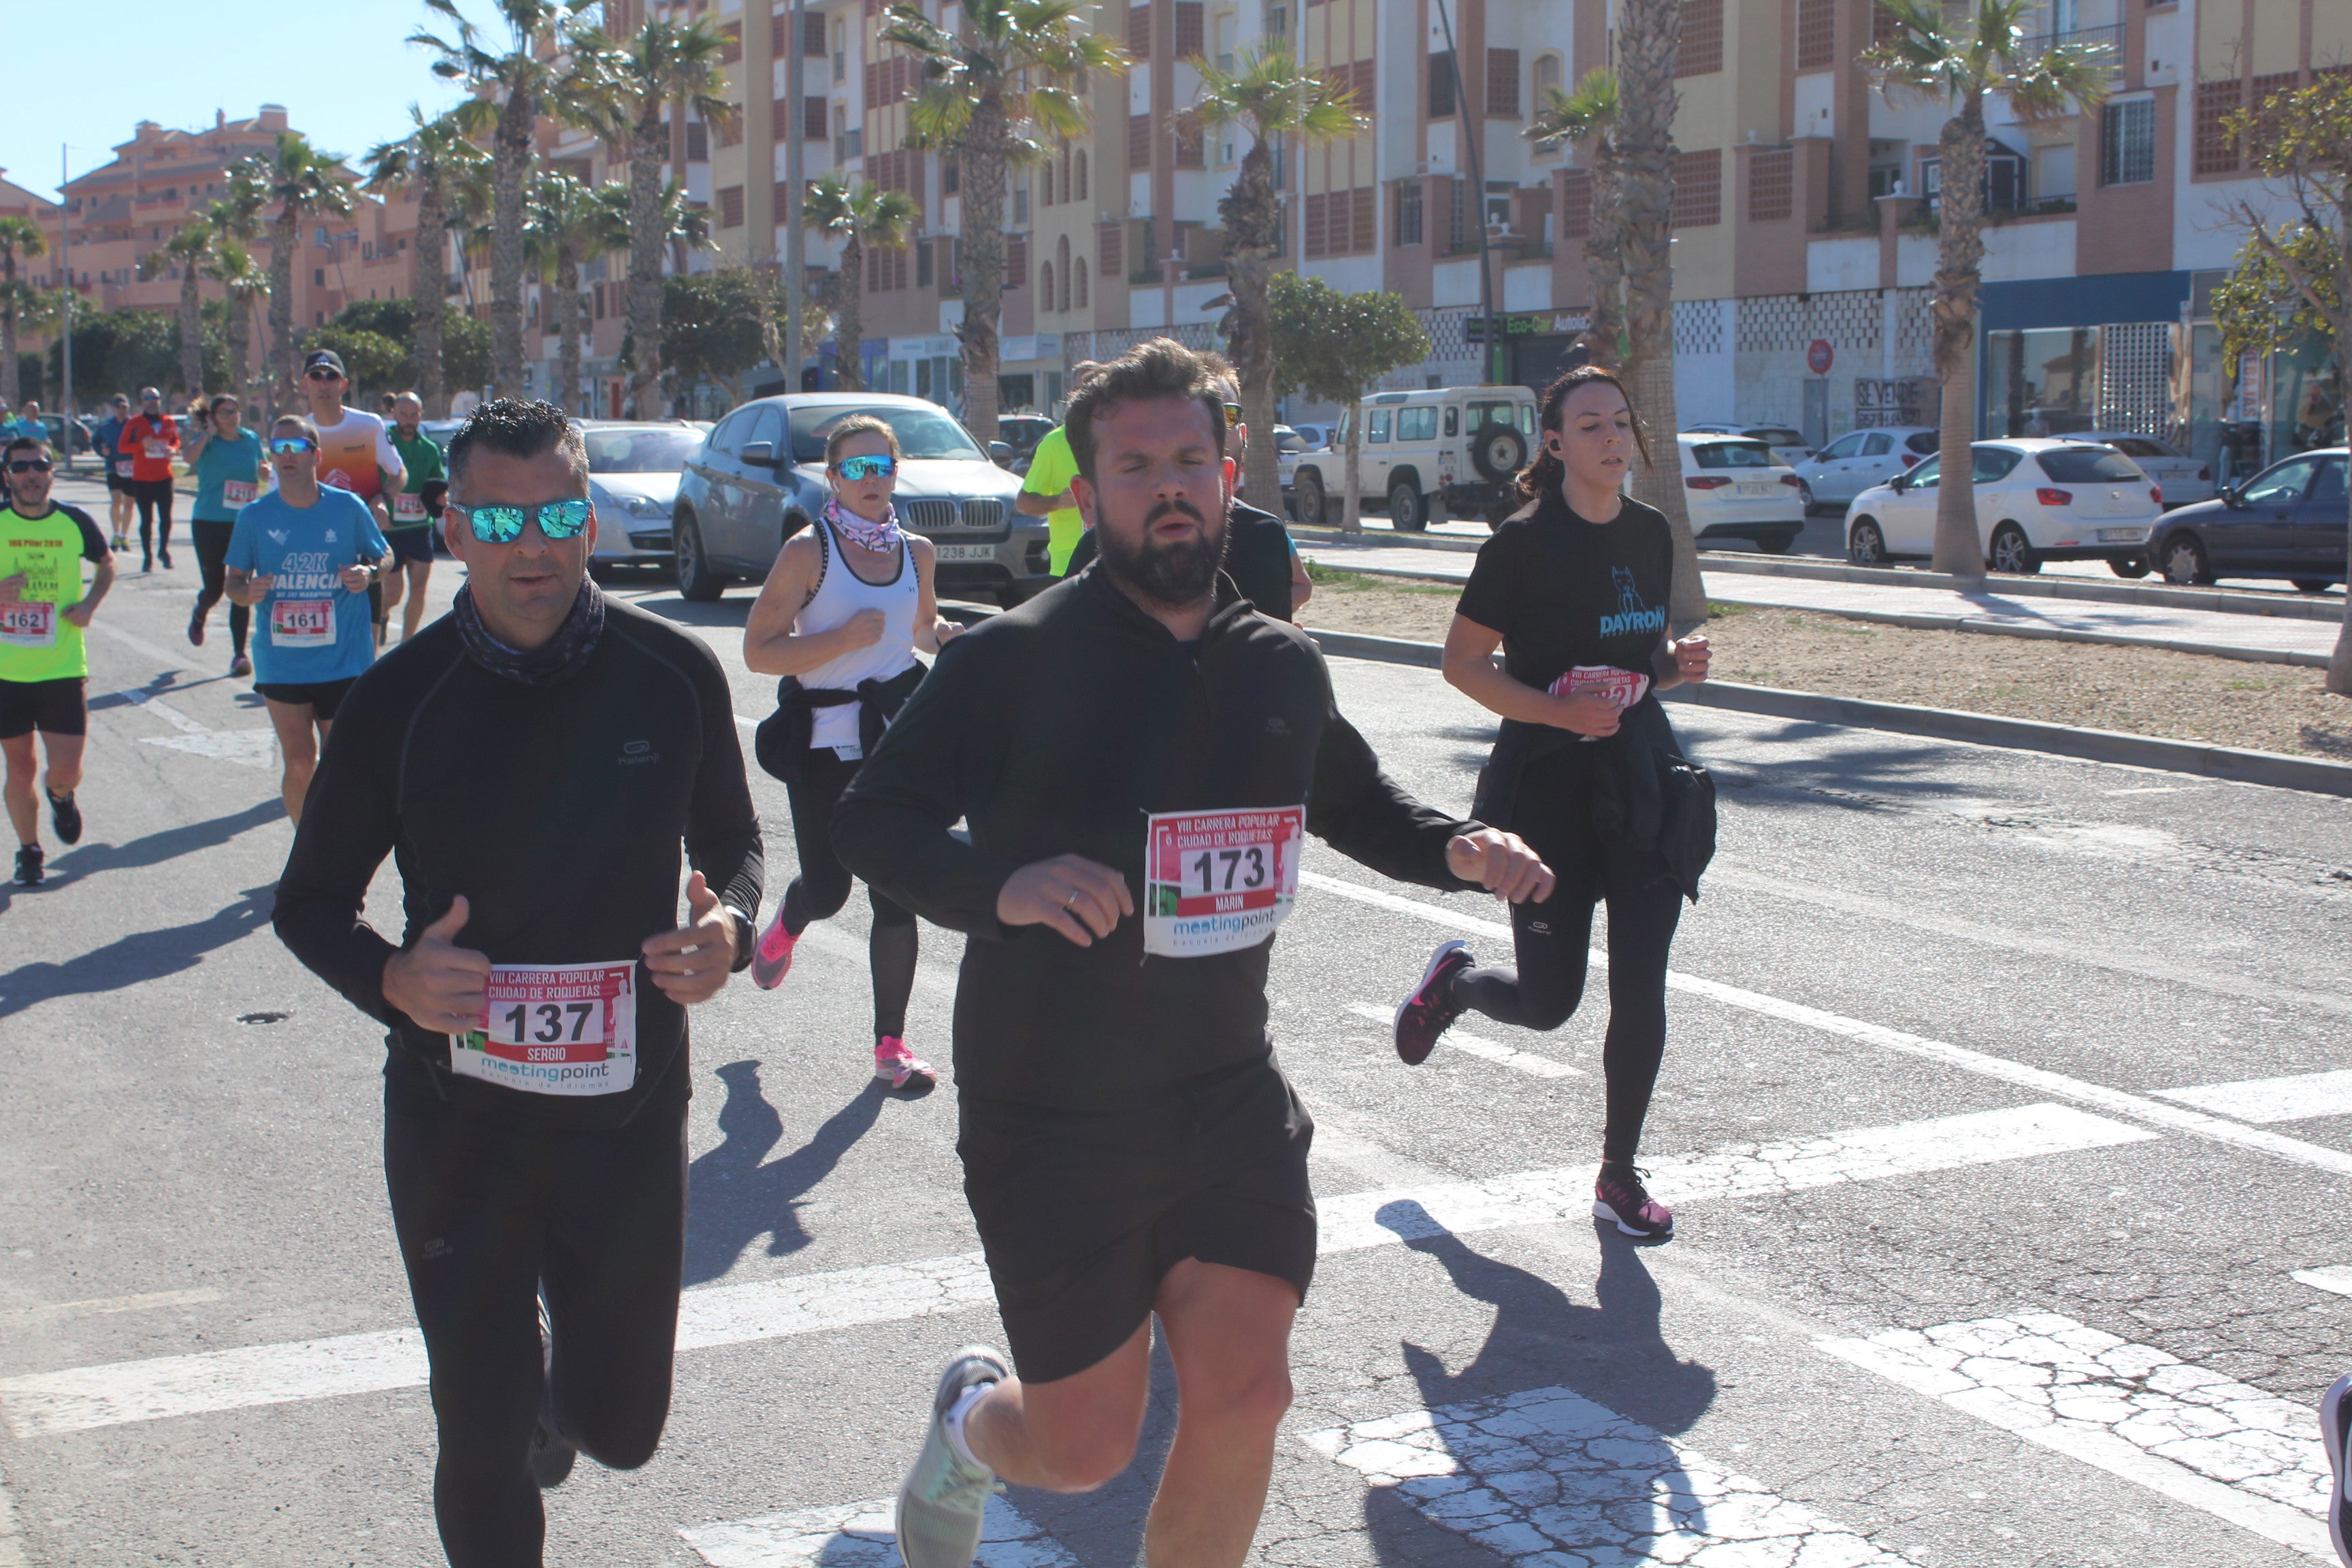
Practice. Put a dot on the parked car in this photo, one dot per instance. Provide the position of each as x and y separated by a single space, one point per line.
2288 521
1786 444
1740 489
633 474
1459 445
1315 436
55 425
2038 499
439 431
1287 445
1021 433
1853 462
2184 480
759 477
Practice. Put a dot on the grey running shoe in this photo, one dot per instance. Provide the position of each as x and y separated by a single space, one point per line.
944 1500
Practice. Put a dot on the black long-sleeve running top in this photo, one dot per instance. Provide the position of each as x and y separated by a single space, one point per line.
1057 729
557 810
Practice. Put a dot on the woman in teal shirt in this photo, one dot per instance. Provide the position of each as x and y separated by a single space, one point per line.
226 459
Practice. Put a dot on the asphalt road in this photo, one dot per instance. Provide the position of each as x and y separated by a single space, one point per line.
1956 1282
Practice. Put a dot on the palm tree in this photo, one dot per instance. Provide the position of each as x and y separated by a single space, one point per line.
430 163
857 215
1270 94
241 279
627 85
995 92
18 236
303 181
512 90
1648 31
1956 58
187 253
569 227
1589 115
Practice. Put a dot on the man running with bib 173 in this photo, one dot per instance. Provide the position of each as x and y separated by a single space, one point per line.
1138 755
533 759
44 663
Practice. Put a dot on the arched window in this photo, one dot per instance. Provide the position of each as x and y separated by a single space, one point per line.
1082 174
1078 276
1543 80
1062 253
1045 285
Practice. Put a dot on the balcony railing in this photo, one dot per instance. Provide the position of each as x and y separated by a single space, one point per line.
2111 39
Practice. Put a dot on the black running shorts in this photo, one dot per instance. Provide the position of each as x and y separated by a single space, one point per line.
323 696
410 544
52 707
1082 1214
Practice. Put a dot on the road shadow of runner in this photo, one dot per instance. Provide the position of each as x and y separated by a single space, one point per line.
733 1199
1613 1352
138 957
168 844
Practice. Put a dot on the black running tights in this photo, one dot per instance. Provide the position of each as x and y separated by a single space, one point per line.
153 495
212 560
489 1214
823 886
1554 814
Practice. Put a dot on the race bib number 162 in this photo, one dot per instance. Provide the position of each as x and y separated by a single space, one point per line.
1218 881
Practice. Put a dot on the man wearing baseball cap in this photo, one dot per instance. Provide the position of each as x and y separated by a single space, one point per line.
355 449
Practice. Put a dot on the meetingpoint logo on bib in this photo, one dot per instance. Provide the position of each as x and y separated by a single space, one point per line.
1632 617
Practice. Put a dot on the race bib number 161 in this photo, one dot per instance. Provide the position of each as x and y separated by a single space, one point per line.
1218 881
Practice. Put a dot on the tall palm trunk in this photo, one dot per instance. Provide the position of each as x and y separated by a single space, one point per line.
510 165
1960 246
1648 31
647 238
284 234
428 290
1252 227
14 386
1605 269
849 319
234 329
980 253
567 308
192 330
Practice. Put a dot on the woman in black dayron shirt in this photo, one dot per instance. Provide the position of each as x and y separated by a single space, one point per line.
1574 587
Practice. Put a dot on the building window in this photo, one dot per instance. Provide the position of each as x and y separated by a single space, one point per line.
1139 32
1191 145
922 264
1816 34
1021 203
1082 174
317 277
813 35
1062 250
1139 142
1044 286
841 51
1017 260
1575 203
730 44
1078 276
1698 189
698 142
1503 84
1771 186
1441 86
1190 36
1883 25
731 206
950 176
1701 51
1110 248
2127 142
1543 83
1408 211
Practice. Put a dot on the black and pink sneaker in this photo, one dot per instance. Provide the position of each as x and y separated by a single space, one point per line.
773 959
1619 1197
1431 1009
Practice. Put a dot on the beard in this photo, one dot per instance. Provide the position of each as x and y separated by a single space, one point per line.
1177 575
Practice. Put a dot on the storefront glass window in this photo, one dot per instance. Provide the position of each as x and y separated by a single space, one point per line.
2041 382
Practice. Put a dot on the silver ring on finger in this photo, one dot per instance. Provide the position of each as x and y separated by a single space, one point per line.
1071 902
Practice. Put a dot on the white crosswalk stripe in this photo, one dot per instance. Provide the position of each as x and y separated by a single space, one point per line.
1550 1479
124 1392
2179 1429
2336 1276
861 1535
2299 1098
1528 1062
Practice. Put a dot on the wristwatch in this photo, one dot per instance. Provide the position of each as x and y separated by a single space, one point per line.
747 939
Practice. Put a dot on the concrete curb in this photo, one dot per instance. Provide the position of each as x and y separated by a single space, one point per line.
2230 764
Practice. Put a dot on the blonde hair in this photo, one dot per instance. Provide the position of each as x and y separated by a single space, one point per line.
858 425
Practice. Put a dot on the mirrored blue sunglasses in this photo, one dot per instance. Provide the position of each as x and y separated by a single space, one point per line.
504 524
880 465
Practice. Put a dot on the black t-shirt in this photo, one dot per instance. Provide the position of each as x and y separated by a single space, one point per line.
1565 592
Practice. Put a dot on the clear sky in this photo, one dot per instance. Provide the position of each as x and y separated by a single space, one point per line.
87 74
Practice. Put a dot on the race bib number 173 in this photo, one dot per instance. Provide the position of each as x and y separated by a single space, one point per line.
1218 881
560 1029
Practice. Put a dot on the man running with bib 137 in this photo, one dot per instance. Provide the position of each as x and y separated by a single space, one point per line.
533 760
44 663
1138 755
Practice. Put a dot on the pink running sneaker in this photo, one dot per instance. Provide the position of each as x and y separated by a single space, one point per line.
774 961
1619 1197
900 1067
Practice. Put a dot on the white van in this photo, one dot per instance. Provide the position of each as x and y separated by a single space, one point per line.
1458 446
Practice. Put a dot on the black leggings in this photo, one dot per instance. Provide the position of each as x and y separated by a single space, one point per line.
492 1213
152 495
212 559
1554 814
823 886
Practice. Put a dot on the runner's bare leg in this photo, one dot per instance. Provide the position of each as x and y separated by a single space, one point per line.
412 613
295 723
1229 1334
1070 1435
24 807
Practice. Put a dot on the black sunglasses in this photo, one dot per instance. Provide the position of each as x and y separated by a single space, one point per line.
320 372
29 465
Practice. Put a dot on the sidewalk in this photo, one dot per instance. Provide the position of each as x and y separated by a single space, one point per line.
2264 639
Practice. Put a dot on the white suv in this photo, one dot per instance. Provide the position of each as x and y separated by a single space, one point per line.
1459 445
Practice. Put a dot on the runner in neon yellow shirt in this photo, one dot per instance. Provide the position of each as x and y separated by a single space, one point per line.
1046 492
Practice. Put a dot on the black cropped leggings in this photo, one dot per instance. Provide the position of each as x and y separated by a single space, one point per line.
1553 939
212 559
153 496
490 1214
823 886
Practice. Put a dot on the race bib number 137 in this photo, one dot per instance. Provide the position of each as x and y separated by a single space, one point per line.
1218 881
564 1028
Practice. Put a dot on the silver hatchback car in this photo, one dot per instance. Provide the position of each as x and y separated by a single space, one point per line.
759 479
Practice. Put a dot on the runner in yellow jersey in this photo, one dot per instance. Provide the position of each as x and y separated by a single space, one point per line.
44 666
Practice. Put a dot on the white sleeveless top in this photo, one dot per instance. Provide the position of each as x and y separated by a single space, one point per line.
840 594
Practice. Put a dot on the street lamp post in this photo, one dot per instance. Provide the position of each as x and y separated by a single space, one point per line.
1478 197
795 170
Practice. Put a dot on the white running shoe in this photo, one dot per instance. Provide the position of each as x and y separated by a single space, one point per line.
945 1498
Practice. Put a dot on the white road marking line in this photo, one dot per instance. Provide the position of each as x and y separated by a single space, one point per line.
99 1306
863 1535
84 1398
1491 1050
2299 1098
2181 1430
2336 1276
251 748
1552 1479
2039 1081
1358 1220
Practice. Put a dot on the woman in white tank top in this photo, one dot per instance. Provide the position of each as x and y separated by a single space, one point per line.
847 603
